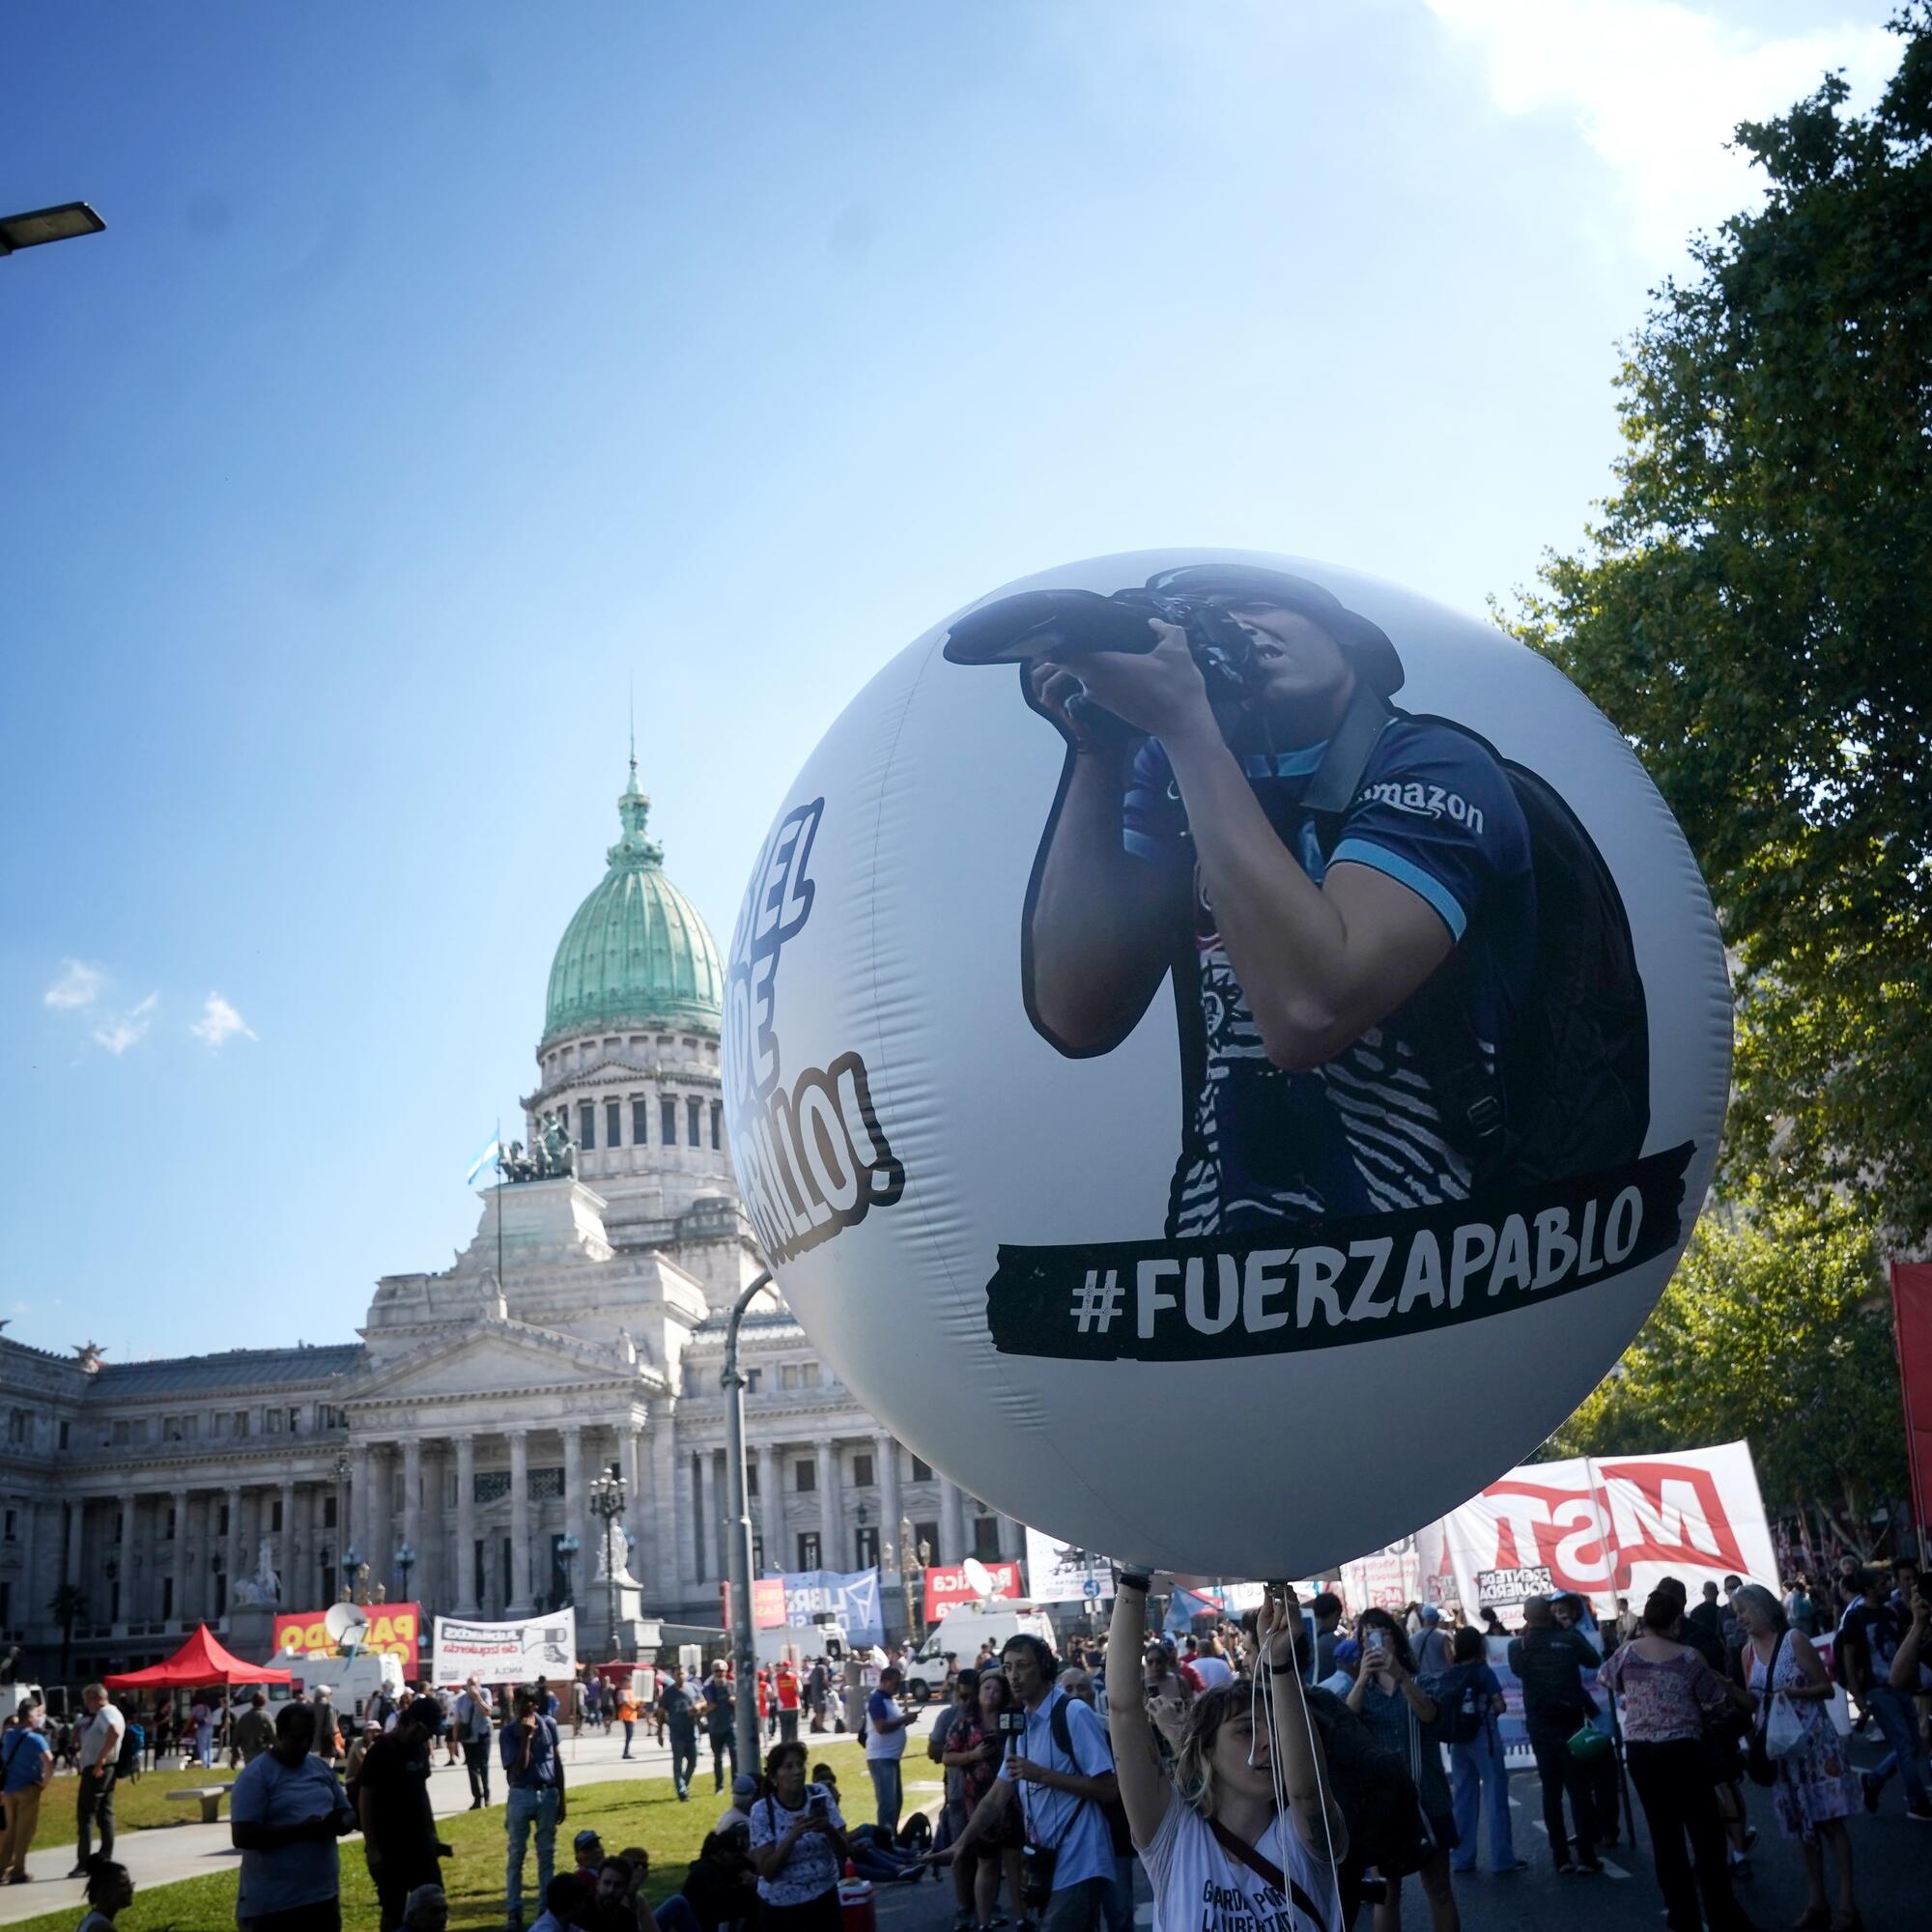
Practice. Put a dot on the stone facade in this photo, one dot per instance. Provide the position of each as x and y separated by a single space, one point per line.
582 1329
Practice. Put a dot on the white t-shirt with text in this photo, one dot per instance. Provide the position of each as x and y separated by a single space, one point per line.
1197 1887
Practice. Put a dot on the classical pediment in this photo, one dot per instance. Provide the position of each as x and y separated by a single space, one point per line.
491 1357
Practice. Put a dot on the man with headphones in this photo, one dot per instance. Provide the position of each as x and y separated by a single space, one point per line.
1304 862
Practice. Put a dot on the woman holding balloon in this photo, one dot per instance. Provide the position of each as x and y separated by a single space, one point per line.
1247 1812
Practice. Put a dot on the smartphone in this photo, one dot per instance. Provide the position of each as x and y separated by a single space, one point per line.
1375 1642
819 1804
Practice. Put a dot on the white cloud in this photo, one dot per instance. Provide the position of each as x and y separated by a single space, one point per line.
1657 89
78 985
119 1032
219 1023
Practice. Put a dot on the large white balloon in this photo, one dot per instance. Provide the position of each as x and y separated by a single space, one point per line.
1227 1143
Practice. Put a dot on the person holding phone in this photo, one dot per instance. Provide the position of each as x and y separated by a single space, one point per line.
284 1816
1397 1709
798 1847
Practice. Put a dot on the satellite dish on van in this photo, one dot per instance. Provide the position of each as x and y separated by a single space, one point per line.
979 1578
347 1625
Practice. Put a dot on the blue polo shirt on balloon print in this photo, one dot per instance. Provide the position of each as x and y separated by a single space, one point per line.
1364 1133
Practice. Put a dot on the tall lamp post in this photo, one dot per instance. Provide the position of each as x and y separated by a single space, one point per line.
567 1547
607 1500
406 1561
738 1533
47 224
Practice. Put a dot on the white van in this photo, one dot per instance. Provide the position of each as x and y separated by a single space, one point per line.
963 1630
353 1682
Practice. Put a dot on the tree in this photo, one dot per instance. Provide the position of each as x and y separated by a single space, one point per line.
1779 1329
1753 611
67 1607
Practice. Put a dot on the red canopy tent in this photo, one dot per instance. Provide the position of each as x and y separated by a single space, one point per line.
200 1660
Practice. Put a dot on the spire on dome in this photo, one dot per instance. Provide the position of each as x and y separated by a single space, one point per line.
634 809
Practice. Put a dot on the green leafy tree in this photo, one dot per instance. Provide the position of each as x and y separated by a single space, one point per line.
1776 1328
1752 609
67 1607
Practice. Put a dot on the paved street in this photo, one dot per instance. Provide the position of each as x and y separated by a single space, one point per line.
1891 1854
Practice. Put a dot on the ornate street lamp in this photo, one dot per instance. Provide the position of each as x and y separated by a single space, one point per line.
406 1561
567 1547
607 1500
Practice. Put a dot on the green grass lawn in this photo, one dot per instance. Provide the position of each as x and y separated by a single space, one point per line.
625 1812
140 1803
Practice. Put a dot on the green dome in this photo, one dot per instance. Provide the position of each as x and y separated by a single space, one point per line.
635 953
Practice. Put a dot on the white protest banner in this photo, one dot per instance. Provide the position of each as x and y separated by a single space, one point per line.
1385 1580
517 1653
1604 1526
1063 1573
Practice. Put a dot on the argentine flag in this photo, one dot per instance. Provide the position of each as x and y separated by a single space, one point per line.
488 1158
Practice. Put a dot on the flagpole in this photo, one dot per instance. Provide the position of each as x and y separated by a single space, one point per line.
501 1289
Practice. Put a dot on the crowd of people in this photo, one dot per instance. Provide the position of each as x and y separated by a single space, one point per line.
1292 1766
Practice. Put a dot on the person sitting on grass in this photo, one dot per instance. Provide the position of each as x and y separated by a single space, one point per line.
109 1889
872 1850
720 1891
566 1901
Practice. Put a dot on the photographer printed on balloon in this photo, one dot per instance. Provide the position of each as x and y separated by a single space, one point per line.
1413 1038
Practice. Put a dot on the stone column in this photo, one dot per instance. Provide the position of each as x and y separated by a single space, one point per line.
519 1580
463 1562
772 1506
831 1518
669 1529
70 1562
412 1469
235 1559
710 1536
361 1529
291 1580
886 1466
1013 1539
583 1565
686 1490
178 1556
633 1453
952 1522
124 1556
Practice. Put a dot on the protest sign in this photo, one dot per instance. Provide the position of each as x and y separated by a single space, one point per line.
507 1653
1059 1573
850 1597
394 1629
951 1583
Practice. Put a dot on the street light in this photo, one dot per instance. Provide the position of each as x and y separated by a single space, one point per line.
406 1561
567 1547
47 224
607 1500
738 1531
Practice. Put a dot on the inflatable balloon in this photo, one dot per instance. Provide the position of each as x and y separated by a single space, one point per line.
1222 1054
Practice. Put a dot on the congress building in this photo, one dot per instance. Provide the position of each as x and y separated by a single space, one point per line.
451 1456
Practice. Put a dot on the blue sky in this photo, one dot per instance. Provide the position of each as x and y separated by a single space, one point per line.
445 368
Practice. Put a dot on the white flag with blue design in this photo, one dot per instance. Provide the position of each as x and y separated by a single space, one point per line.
489 1159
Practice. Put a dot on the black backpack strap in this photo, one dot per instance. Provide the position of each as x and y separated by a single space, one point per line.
1332 790
1265 1869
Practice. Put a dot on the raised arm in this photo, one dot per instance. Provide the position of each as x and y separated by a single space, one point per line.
1145 1791
1905 1662
1304 1770
1102 922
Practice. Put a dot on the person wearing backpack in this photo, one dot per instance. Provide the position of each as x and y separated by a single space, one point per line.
1057 1772
1469 1701
1403 975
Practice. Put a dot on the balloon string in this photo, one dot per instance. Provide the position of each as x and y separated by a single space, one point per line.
1261 1694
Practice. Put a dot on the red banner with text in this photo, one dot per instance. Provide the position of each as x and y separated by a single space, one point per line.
1912 1322
951 1583
393 1630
